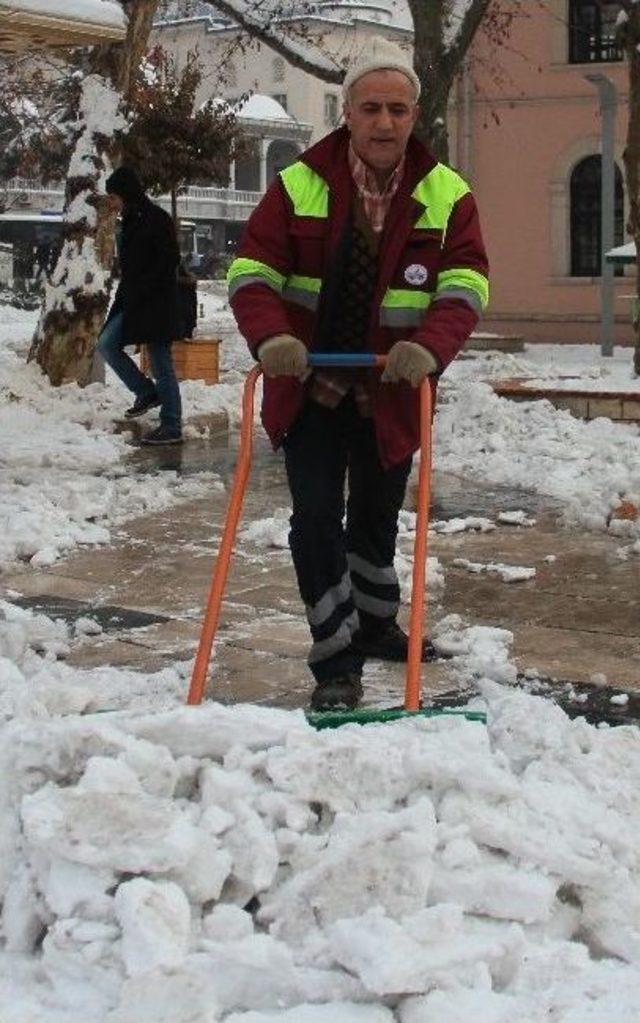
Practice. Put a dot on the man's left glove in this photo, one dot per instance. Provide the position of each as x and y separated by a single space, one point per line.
409 361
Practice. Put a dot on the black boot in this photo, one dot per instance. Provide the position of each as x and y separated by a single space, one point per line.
340 693
142 405
388 642
163 435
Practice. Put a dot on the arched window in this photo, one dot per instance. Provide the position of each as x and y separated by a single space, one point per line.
592 31
586 228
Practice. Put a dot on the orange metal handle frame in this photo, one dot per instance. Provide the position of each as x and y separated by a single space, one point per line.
221 569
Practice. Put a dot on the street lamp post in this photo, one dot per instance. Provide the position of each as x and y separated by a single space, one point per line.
608 97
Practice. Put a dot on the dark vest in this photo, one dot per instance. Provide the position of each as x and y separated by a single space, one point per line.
346 326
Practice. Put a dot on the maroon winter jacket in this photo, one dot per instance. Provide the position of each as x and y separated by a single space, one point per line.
304 245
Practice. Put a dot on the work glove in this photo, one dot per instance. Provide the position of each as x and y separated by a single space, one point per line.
283 356
409 361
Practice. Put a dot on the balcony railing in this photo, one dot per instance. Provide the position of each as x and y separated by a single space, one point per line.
220 194
31 187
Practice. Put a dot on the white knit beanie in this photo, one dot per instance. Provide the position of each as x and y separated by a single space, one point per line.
381 55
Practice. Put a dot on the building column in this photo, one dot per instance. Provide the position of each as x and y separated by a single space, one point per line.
232 175
264 145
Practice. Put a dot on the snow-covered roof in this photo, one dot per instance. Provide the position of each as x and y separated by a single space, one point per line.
44 23
354 10
263 108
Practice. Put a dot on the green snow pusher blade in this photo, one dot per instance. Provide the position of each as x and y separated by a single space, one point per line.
372 715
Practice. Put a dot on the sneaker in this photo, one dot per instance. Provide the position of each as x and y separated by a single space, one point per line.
142 405
389 643
162 435
340 693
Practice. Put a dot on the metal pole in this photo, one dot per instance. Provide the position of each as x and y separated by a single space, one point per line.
608 96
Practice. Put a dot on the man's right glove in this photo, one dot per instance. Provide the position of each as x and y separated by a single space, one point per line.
409 361
283 355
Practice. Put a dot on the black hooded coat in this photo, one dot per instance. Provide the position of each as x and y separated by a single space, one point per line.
147 294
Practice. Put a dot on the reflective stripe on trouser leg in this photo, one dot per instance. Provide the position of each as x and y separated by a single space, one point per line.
332 620
375 589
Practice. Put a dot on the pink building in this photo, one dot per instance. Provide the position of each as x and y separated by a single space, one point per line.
530 145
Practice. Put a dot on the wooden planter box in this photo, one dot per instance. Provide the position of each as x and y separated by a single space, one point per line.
194 359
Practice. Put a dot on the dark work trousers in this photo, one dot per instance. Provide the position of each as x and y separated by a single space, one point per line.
346 575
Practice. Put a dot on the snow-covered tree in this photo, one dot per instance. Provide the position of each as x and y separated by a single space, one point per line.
77 295
38 103
629 35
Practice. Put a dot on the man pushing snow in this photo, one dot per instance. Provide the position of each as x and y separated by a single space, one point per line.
365 244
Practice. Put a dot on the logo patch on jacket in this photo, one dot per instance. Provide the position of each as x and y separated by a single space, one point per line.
416 274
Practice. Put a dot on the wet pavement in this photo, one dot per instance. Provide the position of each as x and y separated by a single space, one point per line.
575 625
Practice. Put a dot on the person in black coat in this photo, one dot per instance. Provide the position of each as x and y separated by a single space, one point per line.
145 309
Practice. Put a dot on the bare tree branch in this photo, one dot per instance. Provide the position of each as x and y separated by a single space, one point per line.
262 25
473 17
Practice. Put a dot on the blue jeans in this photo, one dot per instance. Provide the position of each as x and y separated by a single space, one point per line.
111 349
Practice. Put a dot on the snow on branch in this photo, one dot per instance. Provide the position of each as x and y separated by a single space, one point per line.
454 20
259 21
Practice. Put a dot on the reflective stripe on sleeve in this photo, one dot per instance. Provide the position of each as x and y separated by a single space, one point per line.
404 308
251 271
469 285
303 291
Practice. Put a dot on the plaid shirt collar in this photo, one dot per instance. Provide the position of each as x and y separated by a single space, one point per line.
376 202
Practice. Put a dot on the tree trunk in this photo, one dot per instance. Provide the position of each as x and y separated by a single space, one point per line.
77 297
443 34
632 164
429 59
174 208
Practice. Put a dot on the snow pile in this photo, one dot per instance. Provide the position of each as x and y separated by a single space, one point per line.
515 517
231 864
508 573
35 682
472 523
589 467
63 477
478 652
582 367
549 365
270 532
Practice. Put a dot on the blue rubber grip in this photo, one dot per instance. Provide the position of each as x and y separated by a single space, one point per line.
341 359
